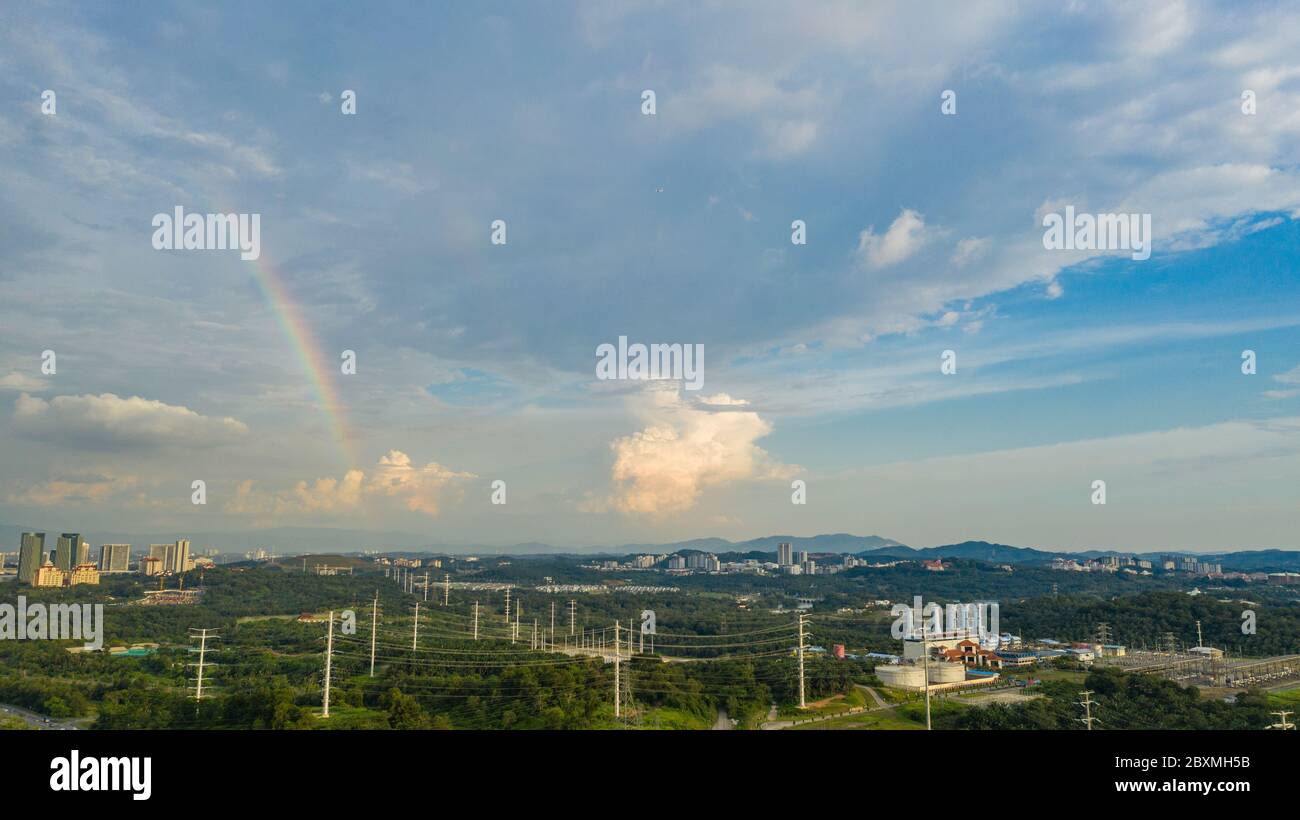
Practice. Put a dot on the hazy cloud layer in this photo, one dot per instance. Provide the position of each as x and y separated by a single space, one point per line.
110 421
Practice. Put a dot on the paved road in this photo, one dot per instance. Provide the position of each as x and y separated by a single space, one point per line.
874 694
724 721
37 721
774 724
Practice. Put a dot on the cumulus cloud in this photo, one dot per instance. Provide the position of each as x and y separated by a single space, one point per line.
685 448
419 489
905 237
108 420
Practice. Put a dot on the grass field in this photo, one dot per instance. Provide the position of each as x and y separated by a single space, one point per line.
910 716
665 718
825 706
1285 699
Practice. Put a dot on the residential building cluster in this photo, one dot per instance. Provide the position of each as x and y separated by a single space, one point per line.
788 562
69 563
1106 563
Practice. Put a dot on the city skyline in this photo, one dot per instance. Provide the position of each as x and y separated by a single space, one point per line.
820 363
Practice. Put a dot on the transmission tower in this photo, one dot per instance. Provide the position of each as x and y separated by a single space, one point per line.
374 620
415 626
802 703
1103 633
202 635
329 662
1087 705
617 693
1282 721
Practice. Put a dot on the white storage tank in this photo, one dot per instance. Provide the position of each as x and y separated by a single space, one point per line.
947 672
901 675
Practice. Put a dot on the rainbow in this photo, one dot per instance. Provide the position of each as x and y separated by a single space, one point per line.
315 363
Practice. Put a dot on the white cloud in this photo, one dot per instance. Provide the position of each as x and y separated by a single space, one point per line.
789 138
1291 378
21 381
970 249
108 420
905 237
418 489
684 449
787 117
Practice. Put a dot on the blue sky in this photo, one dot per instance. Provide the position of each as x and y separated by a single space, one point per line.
476 361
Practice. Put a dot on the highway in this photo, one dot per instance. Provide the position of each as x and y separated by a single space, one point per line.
37 721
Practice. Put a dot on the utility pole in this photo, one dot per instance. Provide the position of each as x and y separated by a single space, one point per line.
415 626
573 613
476 620
533 645
802 703
507 606
617 710
1199 640
446 588
552 622
514 630
374 620
925 663
1087 718
426 586
202 635
329 660
1282 721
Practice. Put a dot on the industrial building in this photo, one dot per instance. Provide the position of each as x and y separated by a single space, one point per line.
943 675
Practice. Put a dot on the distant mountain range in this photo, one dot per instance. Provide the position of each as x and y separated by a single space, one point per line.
972 550
292 540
